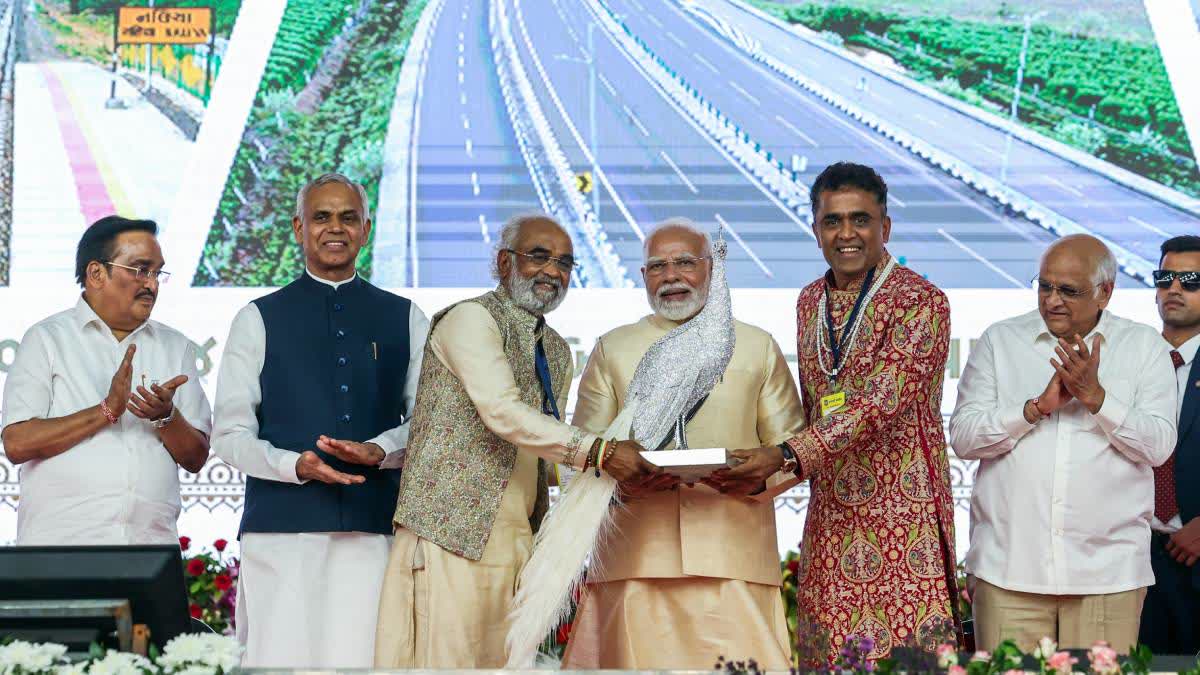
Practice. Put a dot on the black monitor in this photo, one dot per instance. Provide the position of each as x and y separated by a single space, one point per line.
150 577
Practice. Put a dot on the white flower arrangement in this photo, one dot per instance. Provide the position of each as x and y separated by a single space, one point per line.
198 654
29 658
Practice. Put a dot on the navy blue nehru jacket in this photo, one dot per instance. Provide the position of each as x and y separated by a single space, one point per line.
336 362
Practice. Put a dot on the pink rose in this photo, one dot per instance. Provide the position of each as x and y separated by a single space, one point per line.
947 655
1103 658
1061 662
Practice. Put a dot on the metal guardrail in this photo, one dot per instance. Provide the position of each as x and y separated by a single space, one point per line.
10 30
552 175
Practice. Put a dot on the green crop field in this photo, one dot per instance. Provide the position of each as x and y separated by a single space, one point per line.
340 127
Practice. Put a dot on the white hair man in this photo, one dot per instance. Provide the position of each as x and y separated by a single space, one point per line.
494 381
316 383
692 574
1068 408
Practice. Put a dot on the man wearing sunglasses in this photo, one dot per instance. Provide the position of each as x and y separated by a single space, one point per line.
1068 408
1171 616
486 426
102 405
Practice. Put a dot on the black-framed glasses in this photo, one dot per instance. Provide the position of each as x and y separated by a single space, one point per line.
565 264
1190 281
143 273
685 265
1066 291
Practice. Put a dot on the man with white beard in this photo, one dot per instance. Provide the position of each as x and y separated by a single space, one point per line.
690 574
494 378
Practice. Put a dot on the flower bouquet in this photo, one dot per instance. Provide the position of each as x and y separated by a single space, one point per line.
211 585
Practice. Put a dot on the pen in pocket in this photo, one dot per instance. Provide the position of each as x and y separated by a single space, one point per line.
374 351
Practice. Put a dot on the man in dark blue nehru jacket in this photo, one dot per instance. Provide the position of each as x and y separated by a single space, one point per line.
316 384
1171 613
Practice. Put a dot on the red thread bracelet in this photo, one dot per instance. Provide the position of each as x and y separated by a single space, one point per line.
108 413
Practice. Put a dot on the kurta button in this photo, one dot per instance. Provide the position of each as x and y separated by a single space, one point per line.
342 361
337 306
344 388
345 418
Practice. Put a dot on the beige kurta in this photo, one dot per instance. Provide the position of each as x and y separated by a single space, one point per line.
439 609
691 575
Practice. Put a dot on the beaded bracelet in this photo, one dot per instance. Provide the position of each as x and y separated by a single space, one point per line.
108 413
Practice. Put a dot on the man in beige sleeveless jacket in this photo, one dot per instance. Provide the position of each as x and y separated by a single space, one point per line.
494 382
689 574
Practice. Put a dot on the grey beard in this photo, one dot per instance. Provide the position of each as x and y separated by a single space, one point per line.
531 300
678 310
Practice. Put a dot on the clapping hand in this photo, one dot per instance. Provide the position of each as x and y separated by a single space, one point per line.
158 401
1079 371
122 382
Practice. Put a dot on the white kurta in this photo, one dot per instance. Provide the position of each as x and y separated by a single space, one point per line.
306 600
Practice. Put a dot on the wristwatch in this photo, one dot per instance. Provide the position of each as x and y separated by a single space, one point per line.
164 421
789 459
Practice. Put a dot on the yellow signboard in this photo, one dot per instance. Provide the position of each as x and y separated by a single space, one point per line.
163 25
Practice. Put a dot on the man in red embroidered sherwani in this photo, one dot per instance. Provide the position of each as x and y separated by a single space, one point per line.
877 560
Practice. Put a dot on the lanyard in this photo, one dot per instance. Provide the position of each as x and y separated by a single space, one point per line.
835 345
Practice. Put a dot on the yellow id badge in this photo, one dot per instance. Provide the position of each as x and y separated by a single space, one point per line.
832 403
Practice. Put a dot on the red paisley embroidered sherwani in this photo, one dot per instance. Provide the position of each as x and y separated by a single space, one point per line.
878 551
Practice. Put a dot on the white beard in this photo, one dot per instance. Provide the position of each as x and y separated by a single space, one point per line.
532 300
678 310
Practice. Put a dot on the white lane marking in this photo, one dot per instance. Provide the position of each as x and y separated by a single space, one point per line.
466 123
475 183
796 130
981 259
1073 190
1160 232
706 62
736 237
654 20
607 85
675 39
636 121
462 98
483 229
899 202
470 148
695 190
745 93
460 77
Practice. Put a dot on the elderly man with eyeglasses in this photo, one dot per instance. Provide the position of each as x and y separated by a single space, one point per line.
691 574
1068 409
486 426
102 405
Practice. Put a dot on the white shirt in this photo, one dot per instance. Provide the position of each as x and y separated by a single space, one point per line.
1188 351
120 486
1063 506
239 392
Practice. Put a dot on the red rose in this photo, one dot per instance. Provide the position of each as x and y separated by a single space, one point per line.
564 633
793 566
195 611
220 545
184 543
223 582
195 567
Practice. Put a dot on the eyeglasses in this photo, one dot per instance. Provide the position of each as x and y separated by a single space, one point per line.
683 265
1066 292
540 259
1190 281
142 273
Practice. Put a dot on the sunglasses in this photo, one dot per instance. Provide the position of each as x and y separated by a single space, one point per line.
1190 281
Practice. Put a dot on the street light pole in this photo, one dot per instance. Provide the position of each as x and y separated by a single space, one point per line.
1012 115
591 61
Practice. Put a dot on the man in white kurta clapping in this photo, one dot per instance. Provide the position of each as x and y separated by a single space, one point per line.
316 384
